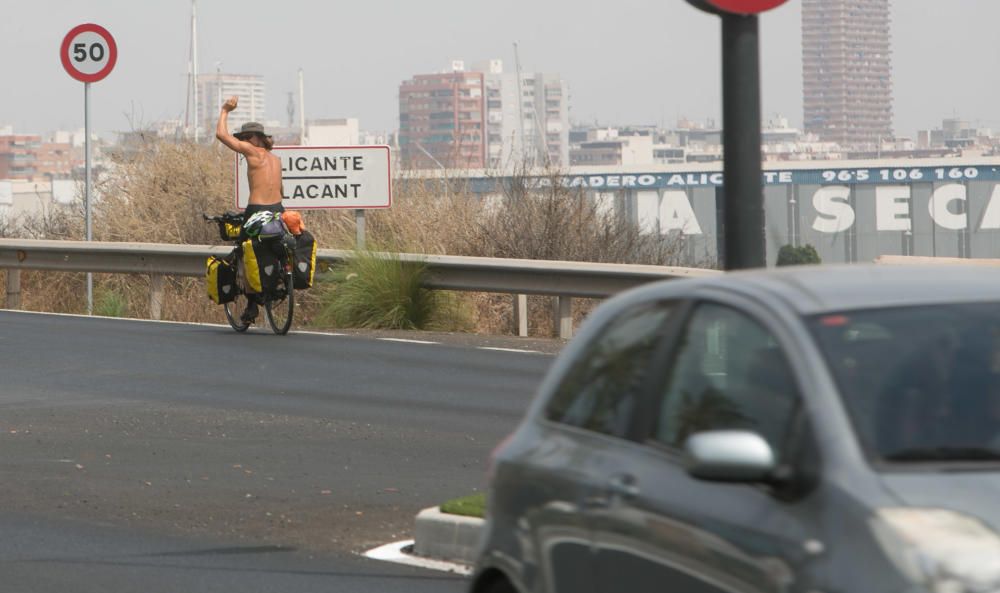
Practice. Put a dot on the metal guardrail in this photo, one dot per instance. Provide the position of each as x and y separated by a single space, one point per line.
561 279
925 260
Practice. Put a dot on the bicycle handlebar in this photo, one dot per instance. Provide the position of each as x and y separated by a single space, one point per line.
226 217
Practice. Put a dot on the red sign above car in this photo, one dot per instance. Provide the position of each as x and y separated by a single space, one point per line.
745 6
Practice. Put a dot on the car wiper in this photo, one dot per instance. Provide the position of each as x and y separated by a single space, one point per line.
945 454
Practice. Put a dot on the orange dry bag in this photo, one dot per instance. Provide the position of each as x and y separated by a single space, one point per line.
293 220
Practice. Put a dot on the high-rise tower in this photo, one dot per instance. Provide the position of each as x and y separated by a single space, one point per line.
846 70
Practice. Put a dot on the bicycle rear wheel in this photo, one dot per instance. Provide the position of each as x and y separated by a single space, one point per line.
279 308
234 312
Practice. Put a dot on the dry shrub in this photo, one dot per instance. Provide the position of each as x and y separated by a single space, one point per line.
431 218
423 219
496 313
8 226
154 195
541 218
159 194
62 292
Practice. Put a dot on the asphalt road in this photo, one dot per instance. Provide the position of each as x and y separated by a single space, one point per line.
192 458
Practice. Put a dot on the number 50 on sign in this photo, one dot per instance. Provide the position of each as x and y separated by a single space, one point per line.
88 52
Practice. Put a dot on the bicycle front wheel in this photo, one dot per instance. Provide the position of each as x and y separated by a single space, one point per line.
279 308
234 312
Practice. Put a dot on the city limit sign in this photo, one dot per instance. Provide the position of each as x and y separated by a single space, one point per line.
356 177
739 6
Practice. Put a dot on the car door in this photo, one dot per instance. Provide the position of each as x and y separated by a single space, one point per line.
591 408
658 528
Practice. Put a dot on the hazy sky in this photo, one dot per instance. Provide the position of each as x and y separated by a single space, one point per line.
626 61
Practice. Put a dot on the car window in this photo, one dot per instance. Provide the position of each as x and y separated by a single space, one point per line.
601 389
921 383
728 373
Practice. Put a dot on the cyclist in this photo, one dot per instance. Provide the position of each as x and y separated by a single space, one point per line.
263 172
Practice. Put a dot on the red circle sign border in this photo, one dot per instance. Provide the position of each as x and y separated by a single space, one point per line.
112 52
746 6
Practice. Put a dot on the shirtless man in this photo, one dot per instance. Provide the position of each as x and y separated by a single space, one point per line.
263 168
263 172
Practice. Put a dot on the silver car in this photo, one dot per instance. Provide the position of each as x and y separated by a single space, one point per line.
819 429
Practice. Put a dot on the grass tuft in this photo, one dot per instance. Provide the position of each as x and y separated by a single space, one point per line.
110 303
380 291
467 506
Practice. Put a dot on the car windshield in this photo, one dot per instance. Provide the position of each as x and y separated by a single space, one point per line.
922 384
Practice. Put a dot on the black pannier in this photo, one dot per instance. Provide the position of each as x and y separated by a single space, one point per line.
261 265
305 260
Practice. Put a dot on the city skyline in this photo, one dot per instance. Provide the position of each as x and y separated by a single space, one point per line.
660 63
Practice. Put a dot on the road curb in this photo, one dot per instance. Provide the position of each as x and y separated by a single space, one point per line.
443 536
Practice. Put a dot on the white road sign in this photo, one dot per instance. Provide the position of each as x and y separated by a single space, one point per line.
327 177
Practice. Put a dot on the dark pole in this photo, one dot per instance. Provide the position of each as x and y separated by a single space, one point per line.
743 209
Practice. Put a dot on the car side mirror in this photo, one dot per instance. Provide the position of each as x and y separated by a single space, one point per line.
730 456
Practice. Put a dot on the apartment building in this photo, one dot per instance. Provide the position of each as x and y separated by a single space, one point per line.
214 89
57 160
847 71
441 119
528 118
17 156
483 117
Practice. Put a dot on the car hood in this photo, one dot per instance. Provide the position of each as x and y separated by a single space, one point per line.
971 493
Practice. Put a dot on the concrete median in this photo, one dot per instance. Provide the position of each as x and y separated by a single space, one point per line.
444 536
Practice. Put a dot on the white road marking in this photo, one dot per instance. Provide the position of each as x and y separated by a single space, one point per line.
508 350
394 553
406 341
316 333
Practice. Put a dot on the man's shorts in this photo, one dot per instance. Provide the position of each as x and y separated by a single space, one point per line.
255 208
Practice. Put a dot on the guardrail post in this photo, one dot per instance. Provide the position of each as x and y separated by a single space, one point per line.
13 288
155 296
562 316
521 315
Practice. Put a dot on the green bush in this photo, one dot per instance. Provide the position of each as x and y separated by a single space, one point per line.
380 291
796 256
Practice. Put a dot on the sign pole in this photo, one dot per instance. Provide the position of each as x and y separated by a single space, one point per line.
359 221
86 191
88 53
743 209
743 192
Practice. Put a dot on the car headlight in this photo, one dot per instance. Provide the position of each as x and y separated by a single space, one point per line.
947 551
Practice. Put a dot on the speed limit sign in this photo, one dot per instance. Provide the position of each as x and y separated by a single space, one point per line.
88 52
